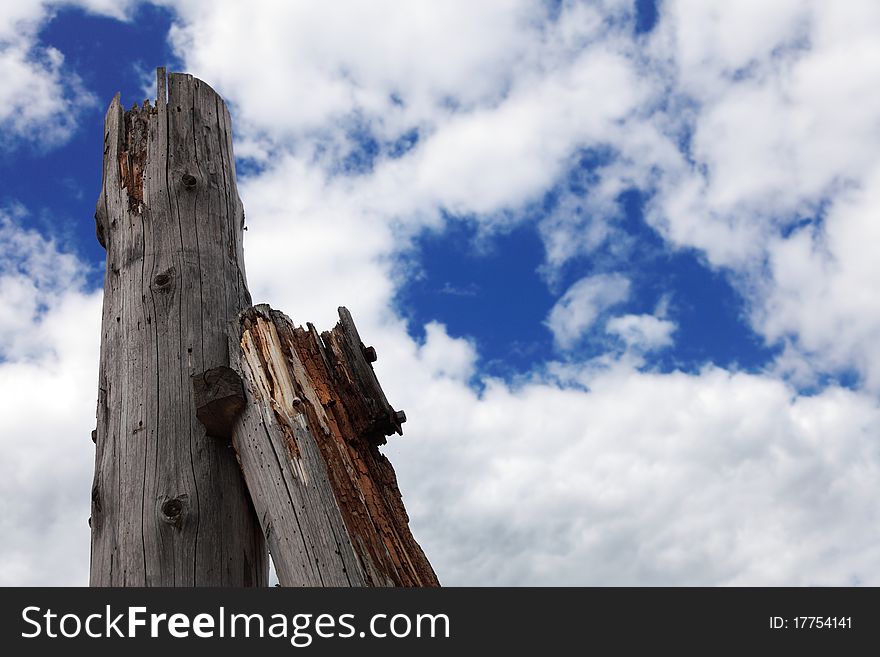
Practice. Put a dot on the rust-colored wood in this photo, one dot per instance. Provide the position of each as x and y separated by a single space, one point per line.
308 443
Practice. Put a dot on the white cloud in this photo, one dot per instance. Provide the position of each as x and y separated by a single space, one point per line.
350 56
781 104
600 473
710 478
41 98
648 479
34 275
821 296
311 246
333 60
445 357
496 92
38 102
642 332
49 333
581 305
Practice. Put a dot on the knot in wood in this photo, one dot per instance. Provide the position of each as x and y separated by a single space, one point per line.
172 508
172 511
163 281
188 180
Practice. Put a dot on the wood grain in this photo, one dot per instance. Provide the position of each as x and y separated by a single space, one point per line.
169 506
222 427
308 443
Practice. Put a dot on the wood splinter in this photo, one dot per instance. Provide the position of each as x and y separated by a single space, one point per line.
308 444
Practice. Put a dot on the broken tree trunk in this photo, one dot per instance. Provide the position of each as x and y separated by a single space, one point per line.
169 506
197 388
312 418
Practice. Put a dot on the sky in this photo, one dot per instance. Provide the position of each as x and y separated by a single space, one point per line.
615 258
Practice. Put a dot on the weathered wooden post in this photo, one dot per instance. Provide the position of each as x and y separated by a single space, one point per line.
209 409
169 506
312 418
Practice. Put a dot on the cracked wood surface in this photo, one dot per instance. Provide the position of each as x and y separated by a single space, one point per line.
169 505
222 427
308 445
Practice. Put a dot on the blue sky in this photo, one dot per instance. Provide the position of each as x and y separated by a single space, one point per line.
619 246
59 184
487 287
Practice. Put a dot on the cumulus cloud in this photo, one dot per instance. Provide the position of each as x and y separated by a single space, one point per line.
707 478
624 484
49 333
497 116
582 303
373 58
780 146
642 332
752 131
647 479
36 101
34 275
41 98
819 297
447 357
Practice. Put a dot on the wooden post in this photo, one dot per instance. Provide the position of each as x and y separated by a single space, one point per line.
312 418
221 426
169 506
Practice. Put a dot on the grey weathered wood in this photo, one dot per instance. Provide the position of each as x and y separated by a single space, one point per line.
169 506
193 378
218 395
307 442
